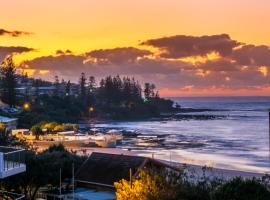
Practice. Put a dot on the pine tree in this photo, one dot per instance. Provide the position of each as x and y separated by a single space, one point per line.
91 84
68 88
56 86
82 83
9 82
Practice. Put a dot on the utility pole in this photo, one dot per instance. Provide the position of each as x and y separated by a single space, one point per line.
73 182
130 177
60 183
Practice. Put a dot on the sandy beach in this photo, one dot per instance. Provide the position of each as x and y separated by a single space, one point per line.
190 169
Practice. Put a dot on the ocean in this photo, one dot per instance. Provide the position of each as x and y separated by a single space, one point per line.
239 141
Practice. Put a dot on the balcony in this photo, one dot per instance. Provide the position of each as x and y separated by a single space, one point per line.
12 161
10 195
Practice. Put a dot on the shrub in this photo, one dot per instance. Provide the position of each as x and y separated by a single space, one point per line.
239 189
150 185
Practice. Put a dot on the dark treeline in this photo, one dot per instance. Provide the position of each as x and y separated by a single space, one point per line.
113 97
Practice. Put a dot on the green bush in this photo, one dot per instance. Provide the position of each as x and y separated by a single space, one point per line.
239 189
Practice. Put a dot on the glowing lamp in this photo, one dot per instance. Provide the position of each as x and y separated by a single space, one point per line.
26 106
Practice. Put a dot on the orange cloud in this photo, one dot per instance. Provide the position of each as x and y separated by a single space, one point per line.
44 72
237 69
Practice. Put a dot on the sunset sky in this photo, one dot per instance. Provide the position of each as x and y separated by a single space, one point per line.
185 47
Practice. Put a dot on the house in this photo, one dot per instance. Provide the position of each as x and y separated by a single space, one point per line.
12 162
102 169
95 178
10 123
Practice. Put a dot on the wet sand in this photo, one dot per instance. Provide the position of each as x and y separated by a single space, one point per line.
190 169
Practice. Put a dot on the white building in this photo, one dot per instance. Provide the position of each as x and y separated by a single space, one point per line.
10 123
12 162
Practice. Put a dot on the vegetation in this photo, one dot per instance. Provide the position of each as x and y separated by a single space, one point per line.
7 140
43 169
115 98
36 130
8 82
242 190
51 127
149 185
168 185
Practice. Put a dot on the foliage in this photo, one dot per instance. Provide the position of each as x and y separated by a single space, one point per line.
240 189
149 91
43 169
3 135
150 185
8 81
2 127
168 185
82 83
36 130
114 97
52 127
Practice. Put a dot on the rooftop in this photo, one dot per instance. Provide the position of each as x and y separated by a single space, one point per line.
104 169
4 149
6 119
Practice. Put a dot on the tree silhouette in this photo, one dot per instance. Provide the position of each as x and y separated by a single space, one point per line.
8 73
68 88
82 83
56 86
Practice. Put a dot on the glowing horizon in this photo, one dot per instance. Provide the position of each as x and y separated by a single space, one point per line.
86 26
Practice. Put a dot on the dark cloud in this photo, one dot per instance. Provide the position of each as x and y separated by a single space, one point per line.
118 55
64 64
5 51
221 64
61 52
238 65
13 33
252 55
70 66
181 46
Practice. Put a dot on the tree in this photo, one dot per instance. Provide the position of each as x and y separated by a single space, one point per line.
150 185
68 88
36 130
3 135
8 76
37 85
82 83
240 189
56 86
27 87
91 84
43 169
91 90
59 128
147 91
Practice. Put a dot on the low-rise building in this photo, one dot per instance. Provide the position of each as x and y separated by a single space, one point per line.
10 123
103 169
12 162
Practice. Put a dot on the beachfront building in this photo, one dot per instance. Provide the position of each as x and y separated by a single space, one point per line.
10 123
96 177
102 170
12 162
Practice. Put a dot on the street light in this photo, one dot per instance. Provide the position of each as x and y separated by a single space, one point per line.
26 106
91 109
